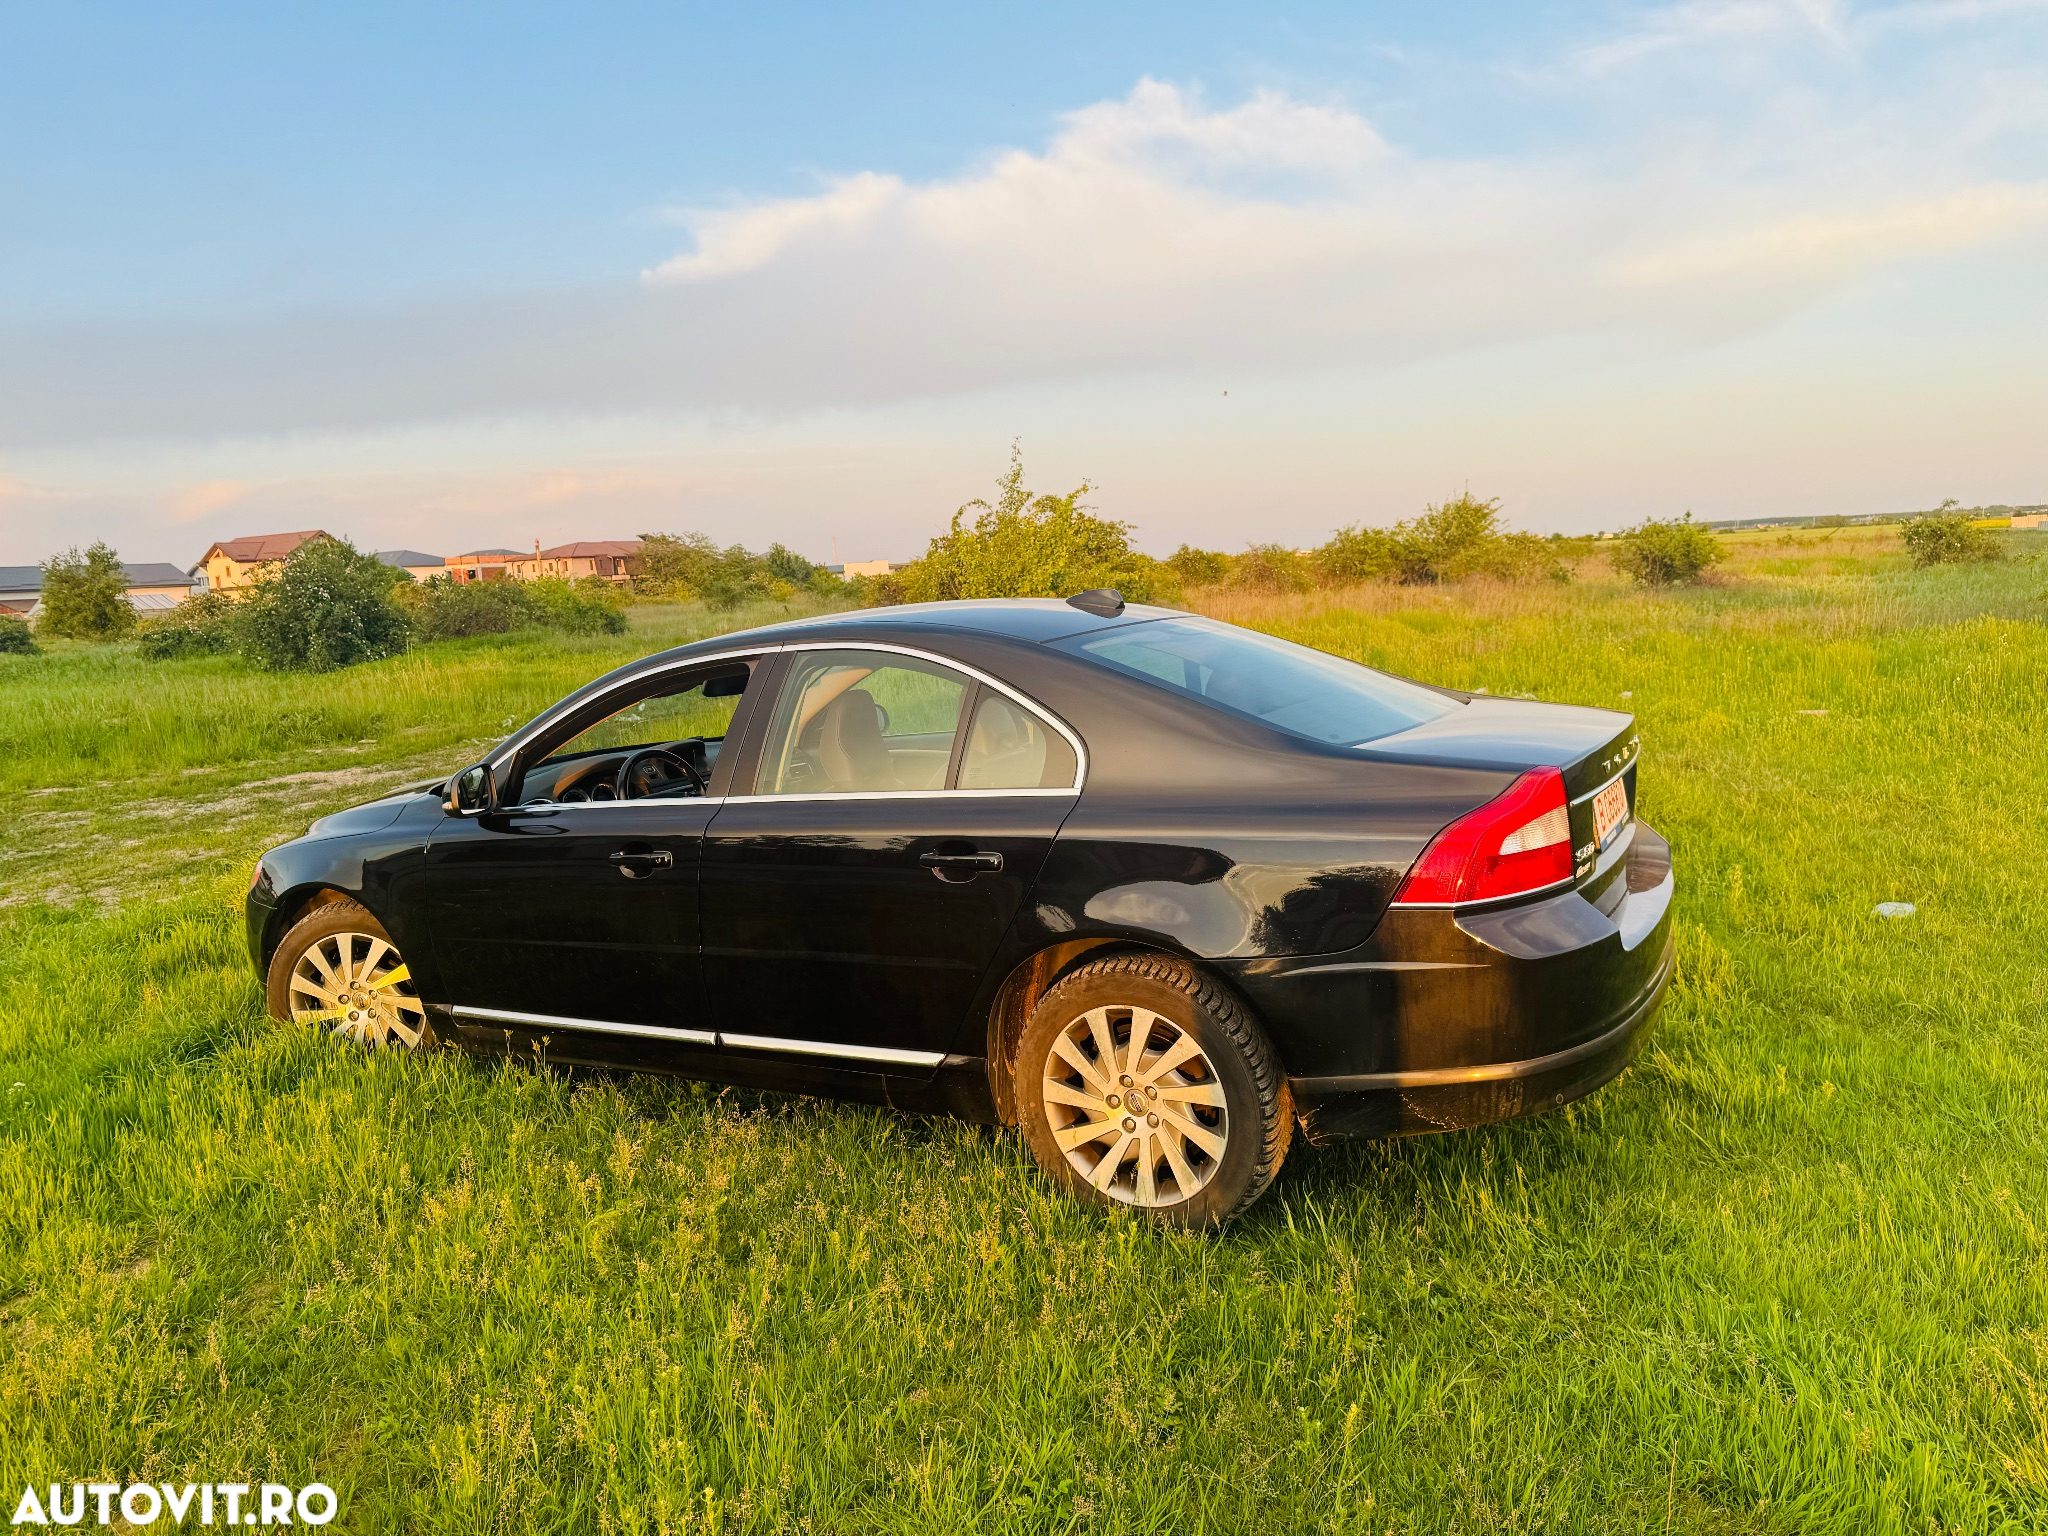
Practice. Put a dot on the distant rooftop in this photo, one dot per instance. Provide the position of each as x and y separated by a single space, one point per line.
24 579
591 549
407 557
259 548
492 554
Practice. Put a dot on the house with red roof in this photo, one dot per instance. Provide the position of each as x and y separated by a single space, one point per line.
235 563
613 560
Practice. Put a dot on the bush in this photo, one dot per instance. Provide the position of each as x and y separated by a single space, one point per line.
691 565
879 591
1358 554
85 597
1459 538
1271 568
202 625
674 565
327 606
1666 552
1193 567
1948 537
1028 545
588 607
15 639
441 609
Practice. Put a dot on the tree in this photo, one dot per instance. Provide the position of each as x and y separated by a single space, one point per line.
85 597
1667 552
327 606
1946 536
1027 545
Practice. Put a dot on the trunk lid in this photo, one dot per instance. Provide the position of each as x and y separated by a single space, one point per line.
1590 748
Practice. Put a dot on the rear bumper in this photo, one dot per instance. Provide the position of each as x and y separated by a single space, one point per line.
1453 1019
1415 1102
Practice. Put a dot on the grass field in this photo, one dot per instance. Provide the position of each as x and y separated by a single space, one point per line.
1790 1274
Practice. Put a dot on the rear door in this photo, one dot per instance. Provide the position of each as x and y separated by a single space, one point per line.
900 811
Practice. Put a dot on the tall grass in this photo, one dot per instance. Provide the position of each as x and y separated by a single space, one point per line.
90 713
1788 1275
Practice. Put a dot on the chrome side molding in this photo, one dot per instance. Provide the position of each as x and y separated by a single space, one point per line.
882 1055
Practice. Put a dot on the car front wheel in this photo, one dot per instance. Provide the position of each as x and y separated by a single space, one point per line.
337 968
1141 1082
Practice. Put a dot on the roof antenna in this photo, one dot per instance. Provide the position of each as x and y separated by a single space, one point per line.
1103 602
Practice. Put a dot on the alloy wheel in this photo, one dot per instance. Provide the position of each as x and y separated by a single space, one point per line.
1135 1106
359 986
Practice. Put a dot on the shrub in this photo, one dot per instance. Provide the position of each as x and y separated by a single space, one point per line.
15 639
1271 568
440 609
202 625
85 597
674 565
1193 567
1459 538
1028 545
588 607
880 591
448 610
1946 537
1357 554
683 566
1665 552
327 606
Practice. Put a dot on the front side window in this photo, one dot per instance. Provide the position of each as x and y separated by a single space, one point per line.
662 744
862 722
1290 687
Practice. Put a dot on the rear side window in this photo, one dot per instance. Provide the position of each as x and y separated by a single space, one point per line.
862 722
1008 747
1290 687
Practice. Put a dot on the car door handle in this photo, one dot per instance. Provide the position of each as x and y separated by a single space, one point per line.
961 866
635 862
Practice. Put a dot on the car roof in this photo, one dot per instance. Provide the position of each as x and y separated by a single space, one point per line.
1032 619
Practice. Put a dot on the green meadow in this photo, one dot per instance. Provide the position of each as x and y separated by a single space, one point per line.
1789 1274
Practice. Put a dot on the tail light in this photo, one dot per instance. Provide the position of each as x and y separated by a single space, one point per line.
1520 842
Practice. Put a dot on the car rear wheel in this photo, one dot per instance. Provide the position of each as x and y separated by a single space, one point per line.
338 969
1142 1083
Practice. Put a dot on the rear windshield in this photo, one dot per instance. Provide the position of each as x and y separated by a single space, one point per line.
1288 686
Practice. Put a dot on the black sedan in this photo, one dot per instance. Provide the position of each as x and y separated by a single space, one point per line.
1152 888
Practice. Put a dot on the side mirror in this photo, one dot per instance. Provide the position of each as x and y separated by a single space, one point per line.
472 790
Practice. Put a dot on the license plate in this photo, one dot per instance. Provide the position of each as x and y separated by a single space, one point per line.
1610 810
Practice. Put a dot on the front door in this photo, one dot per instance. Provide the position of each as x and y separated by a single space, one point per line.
574 906
853 902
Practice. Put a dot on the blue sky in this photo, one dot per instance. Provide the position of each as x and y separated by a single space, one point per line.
490 275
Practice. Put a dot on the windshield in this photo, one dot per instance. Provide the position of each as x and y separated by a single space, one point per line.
1304 692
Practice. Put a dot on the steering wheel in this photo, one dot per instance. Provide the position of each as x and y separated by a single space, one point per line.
674 765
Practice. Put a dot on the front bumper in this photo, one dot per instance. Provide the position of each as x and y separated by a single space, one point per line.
1473 1018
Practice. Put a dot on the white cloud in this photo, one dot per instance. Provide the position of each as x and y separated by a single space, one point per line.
1155 250
1711 23
1153 231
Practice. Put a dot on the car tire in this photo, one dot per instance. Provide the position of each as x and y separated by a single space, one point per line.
1208 1118
337 968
